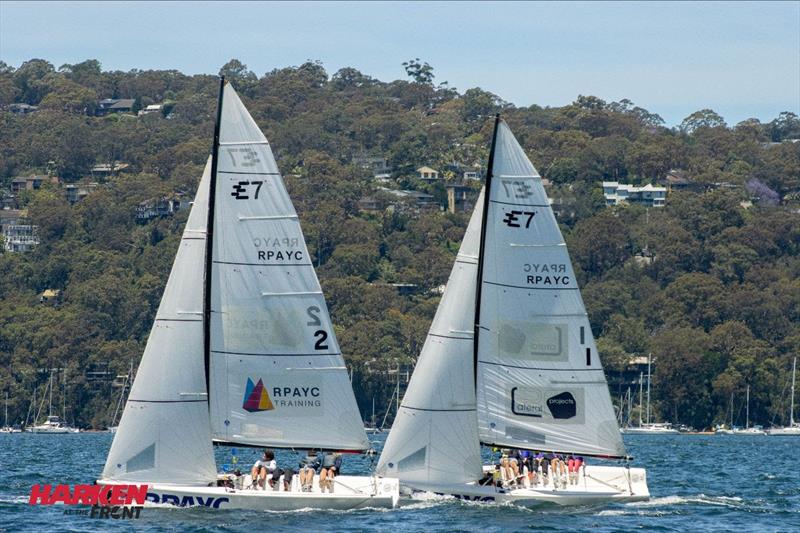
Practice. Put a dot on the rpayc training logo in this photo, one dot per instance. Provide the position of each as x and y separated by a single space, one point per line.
256 397
107 501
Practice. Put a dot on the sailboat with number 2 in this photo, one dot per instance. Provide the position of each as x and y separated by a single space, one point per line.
242 351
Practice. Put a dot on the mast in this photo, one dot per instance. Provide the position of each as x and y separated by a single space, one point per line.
641 397
649 355
210 242
50 401
481 254
791 409
747 409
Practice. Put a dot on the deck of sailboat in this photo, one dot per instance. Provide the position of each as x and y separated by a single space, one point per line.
595 485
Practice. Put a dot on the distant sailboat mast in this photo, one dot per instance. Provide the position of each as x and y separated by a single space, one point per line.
791 409
648 387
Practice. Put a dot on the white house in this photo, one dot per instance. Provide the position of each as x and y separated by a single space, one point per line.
428 174
649 195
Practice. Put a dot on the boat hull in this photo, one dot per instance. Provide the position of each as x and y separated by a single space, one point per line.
595 485
784 432
351 492
51 431
641 431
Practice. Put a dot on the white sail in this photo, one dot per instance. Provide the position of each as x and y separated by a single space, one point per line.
434 439
540 381
277 376
164 435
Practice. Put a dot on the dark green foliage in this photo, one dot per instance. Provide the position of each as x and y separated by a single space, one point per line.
707 286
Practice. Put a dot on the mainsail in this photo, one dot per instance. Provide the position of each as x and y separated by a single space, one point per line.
434 439
276 373
540 383
164 435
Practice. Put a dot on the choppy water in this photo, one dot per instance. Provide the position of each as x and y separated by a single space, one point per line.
698 483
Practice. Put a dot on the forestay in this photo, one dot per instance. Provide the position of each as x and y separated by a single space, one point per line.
434 439
540 381
164 435
277 377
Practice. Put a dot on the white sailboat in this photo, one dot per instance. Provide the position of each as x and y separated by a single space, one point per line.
747 430
646 427
6 428
793 429
53 425
509 360
242 350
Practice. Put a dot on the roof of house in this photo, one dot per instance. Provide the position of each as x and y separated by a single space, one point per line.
427 169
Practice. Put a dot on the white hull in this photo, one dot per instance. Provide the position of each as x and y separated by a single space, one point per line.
10 430
351 492
784 432
749 432
49 430
594 485
649 431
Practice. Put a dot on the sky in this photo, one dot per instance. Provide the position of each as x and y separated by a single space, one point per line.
740 59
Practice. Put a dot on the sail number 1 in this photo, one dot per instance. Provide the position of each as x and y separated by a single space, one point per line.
517 189
321 335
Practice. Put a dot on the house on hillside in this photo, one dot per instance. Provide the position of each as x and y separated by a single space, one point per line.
8 200
460 197
161 207
50 296
19 237
9 217
152 109
31 183
22 109
427 174
74 192
370 204
649 195
114 105
106 170
378 165
403 199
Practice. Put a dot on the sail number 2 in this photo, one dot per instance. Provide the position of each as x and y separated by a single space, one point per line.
321 335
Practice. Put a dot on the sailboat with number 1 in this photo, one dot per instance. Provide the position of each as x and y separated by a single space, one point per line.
510 361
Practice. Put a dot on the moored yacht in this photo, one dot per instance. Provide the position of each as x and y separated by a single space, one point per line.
53 425
793 429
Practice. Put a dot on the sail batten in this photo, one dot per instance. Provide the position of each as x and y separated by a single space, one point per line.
535 337
277 374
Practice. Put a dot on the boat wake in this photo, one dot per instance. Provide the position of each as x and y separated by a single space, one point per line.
702 499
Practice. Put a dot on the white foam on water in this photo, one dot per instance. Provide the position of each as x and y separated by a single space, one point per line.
724 501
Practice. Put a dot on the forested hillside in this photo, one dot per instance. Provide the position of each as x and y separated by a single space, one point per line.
709 284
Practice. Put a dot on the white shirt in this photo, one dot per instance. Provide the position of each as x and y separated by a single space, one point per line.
270 465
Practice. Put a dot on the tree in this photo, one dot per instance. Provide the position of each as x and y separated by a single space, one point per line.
236 72
419 72
705 118
29 80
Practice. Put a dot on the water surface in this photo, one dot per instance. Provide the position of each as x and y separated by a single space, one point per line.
697 483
